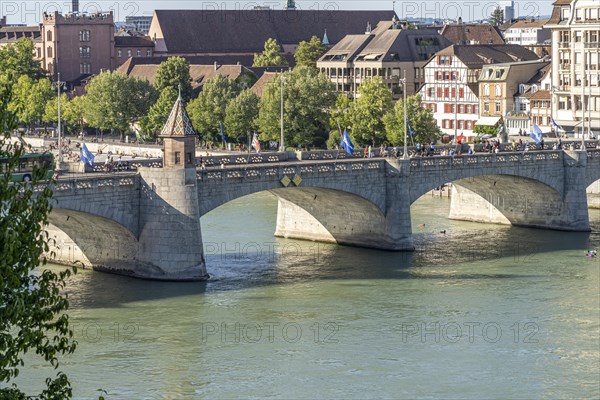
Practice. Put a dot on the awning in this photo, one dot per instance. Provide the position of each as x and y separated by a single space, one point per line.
488 121
373 56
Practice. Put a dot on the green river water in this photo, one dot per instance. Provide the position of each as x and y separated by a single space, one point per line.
482 311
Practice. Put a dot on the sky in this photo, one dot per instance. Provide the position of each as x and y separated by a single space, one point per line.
29 12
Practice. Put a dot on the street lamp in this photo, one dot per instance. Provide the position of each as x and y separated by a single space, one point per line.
281 143
59 84
403 82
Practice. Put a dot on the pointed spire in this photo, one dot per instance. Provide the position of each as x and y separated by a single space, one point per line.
178 123
325 40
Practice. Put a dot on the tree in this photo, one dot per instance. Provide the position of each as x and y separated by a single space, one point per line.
309 52
271 56
308 97
33 305
74 112
497 17
241 114
30 98
420 119
153 123
208 109
114 101
366 112
51 108
339 118
17 60
173 72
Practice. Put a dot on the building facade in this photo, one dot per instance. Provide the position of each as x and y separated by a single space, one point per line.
499 84
388 51
452 90
575 91
77 44
527 32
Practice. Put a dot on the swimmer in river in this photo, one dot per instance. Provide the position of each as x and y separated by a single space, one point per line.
592 253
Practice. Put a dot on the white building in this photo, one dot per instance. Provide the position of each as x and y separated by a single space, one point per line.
527 32
575 26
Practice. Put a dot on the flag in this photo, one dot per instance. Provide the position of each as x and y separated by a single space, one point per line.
222 132
536 133
347 143
556 125
256 143
461 137
87 157
410 130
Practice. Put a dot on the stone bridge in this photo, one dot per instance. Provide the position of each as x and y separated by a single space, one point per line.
147 224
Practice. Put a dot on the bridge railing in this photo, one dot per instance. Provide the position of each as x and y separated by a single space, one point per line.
241 159
94 183
262 172
485 159
126 165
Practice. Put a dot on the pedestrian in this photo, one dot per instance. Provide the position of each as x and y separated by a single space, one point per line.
222 164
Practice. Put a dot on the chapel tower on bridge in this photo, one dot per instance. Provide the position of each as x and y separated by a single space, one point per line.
179 139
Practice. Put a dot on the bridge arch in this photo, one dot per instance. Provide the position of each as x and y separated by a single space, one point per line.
80 238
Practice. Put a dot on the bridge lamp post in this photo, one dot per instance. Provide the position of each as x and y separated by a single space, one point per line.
281 142
59 84
403 82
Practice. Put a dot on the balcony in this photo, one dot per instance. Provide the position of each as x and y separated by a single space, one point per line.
591 45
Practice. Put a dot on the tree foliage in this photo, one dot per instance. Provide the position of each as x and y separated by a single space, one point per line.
308 97
32 307
309 52
366 112
17 60
241 114
271 56
420 119
497 16
29 99
208 109
51 108
172 73
153 123
115 101
74 112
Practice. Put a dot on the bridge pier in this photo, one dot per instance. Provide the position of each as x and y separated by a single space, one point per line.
170 240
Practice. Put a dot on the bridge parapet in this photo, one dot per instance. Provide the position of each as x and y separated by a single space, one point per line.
484 159
304 170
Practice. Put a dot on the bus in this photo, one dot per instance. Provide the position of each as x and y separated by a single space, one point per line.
27 164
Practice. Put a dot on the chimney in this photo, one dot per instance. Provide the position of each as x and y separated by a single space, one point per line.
75 6
216 66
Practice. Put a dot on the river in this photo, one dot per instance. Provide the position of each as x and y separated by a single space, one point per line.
480 311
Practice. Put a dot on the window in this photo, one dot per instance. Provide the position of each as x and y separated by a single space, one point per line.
461 108
84 52
129 53
486 106
486 90
498 106
49 36
85 68
39 52
522 107
497 90
444 60
461 92
430 92
49 51
139 53
148 53
177 157
84 36
119 53
446 92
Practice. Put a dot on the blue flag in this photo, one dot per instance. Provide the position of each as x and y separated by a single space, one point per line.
536 134
347 143
410 130
87 157
556 125
222 132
